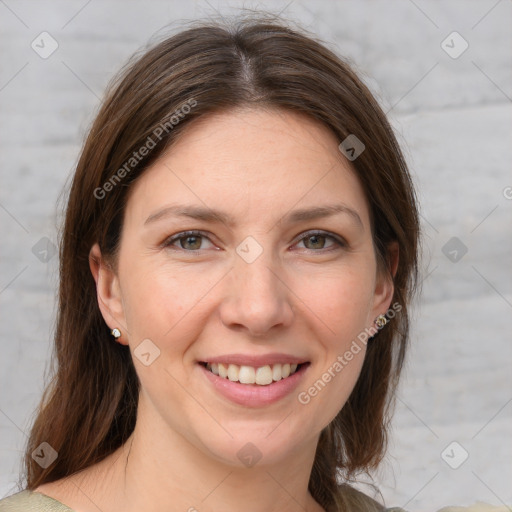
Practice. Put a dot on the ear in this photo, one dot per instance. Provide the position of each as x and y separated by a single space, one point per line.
108 292
384 287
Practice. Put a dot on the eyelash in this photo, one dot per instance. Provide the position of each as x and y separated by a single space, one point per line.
184 234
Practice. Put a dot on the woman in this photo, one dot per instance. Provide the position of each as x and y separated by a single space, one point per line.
237 261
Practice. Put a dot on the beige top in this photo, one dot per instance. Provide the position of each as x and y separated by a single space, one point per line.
33 501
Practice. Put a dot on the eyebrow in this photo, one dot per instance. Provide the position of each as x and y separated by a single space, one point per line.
211 215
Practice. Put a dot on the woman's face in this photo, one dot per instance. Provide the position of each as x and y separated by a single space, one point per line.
280 273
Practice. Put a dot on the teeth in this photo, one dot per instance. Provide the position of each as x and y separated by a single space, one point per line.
247 375
262 376
276 372
223 370
233 371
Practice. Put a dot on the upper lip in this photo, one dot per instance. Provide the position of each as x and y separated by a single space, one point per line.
255 360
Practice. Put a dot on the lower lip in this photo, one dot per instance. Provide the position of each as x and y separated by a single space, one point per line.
254 395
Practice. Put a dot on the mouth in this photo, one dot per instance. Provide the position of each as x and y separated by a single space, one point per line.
254 386
252 375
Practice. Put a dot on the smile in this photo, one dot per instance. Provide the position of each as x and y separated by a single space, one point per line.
253 386
261 376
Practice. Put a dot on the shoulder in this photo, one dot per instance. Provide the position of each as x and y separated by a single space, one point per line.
357 501
31 501
479 506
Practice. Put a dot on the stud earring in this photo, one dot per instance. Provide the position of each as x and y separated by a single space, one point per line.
116 333
381 321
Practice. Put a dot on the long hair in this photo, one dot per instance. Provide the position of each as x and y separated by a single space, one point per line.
89 407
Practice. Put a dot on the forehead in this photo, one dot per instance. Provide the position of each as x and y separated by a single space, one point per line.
260 136
250 162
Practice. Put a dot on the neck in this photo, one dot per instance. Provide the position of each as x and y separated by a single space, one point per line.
159 470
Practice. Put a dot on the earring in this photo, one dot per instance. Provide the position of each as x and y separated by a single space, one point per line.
381 321
116 333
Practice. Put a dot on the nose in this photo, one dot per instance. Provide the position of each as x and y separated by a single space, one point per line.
257 298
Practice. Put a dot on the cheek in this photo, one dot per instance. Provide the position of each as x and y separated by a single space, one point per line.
164 304
341 299
341 302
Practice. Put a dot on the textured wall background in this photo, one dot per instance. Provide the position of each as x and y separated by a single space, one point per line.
451 107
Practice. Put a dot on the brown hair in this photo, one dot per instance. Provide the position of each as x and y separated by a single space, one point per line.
89 408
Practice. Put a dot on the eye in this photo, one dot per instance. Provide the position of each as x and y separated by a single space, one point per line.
188 240
317 239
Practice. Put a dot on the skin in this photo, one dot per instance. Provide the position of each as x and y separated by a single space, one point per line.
302 296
